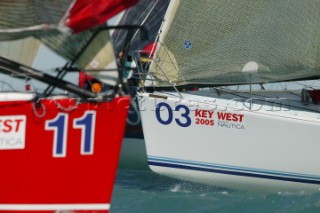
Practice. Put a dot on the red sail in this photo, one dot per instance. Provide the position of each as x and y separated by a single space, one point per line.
90 13
150 49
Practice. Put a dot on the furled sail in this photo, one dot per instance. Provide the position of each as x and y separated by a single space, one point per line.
214 42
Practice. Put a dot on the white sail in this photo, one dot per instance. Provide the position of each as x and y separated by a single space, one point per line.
104 60
208 42
23 51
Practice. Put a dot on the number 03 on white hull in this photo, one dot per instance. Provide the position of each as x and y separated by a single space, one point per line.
236 144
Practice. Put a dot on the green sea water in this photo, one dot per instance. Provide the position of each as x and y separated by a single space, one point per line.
147 192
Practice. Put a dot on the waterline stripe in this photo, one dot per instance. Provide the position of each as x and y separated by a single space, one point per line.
233 168
234 173
54 207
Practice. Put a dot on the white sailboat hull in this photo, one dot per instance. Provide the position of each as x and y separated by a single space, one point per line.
216 141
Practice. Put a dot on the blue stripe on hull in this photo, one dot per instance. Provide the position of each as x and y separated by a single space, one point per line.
236 173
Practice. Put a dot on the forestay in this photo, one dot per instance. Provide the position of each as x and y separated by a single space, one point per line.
209 42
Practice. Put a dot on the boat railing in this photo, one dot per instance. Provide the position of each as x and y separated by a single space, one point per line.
142 72
6 87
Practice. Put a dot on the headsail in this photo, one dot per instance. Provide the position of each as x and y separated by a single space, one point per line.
52 22
23 51
71 47
65 15
208 42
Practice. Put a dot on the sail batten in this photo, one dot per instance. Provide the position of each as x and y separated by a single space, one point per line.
210 41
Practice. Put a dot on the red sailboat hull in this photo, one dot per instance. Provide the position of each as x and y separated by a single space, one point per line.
58 154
